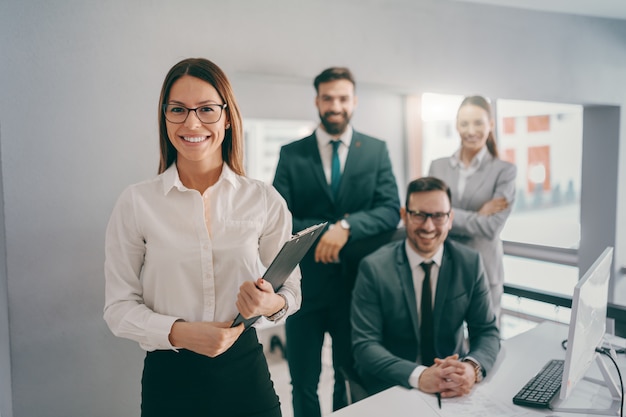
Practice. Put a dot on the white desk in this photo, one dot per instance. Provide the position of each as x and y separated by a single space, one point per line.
519 360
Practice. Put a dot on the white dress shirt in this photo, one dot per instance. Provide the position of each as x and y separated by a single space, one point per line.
326 149
163 263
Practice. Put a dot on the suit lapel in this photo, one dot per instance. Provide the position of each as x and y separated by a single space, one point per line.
405 275
441 292
317 168
353 162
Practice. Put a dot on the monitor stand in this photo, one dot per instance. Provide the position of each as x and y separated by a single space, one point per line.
609 382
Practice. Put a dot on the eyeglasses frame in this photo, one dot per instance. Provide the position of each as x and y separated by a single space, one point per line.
221 106
413 216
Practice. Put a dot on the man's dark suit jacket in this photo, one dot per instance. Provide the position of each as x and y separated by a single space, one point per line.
367 198
385 329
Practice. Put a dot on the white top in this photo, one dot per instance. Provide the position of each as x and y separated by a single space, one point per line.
326 148
162 264
466 171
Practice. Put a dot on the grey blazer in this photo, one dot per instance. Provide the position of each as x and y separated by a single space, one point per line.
494 178
385 329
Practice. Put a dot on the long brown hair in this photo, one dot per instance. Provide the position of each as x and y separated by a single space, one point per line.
203 69
482 102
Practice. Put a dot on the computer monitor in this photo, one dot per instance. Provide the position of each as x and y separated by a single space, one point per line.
587 326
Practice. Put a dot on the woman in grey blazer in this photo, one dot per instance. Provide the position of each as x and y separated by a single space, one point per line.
483 190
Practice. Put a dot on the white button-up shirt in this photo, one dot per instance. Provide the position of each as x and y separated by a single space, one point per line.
326 149
163 263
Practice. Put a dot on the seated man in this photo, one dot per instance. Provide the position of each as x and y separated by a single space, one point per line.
397 337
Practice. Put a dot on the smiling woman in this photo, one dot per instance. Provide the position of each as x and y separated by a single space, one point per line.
483 189
183 253
196 130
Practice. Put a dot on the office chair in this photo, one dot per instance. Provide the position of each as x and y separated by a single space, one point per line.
355 391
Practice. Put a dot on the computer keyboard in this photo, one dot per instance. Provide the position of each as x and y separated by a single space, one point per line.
541 389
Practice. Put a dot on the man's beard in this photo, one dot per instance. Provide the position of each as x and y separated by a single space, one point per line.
335 128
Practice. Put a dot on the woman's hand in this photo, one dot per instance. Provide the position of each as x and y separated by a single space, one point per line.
493 206
258 299
206 338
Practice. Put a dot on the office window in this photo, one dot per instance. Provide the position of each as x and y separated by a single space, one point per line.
439 135
263 139
522 314
541 275
544 140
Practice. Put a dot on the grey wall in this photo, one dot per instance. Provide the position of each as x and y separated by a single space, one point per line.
80 83
599 183
5 351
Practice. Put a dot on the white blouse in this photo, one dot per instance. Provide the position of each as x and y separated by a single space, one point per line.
162 263
466 171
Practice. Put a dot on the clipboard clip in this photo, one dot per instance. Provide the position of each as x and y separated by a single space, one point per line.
309 230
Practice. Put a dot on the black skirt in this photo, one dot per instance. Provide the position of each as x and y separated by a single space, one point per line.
185 384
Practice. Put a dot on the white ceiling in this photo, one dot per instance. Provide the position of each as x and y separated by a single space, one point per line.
614 9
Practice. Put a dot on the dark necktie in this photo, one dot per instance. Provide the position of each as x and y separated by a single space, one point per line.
426 329
335 171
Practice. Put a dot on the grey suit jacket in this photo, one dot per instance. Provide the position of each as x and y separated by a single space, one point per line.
494 178
385 329
367 198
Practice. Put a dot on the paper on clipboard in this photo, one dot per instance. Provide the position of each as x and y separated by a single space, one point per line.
285 262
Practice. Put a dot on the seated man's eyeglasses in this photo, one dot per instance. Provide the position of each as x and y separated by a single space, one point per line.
419 217
207 114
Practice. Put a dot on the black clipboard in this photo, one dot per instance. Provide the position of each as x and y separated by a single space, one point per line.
285 262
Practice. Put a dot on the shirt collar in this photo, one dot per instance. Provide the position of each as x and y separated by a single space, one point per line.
171 178
323 137
415 259
455 159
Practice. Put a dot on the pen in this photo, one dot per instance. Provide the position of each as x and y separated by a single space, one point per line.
438 394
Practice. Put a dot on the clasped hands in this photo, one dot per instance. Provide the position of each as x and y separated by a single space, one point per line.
448 376
214 338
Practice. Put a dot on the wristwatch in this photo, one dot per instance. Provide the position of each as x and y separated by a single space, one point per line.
280 313
344 224
478 370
